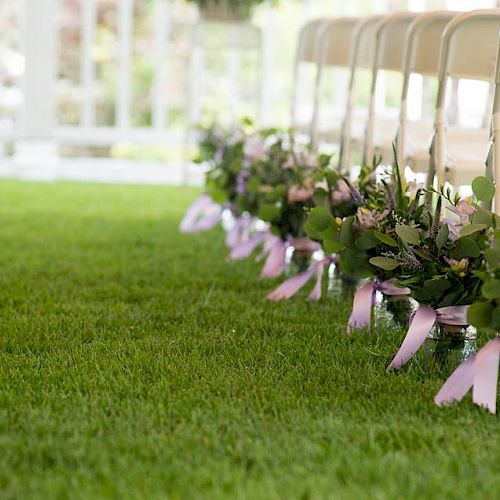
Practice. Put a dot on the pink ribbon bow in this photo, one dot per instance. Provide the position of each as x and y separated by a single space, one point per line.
202 215
291 286
420 327
479 372
240 231
365 298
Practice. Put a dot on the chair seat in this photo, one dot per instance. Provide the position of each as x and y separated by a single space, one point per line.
465 156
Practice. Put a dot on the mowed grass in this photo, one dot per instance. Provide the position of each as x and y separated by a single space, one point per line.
135 362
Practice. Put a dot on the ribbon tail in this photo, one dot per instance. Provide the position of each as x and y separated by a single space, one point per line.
362 308
291 286
207 222
202 215
315 294
243 250
484 392
420 327
458 384
275 262
233 236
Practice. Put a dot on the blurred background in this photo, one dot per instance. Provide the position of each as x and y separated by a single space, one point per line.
110 89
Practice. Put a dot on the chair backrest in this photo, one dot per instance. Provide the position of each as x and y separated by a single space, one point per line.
421 56
494 156
307 49
363 53
336 41
307 52
468 50
469 45
391 39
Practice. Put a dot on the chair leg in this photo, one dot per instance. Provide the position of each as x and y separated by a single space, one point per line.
489 171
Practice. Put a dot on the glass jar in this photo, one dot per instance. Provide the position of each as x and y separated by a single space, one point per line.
341 285
300 255
447 346
228 219
393 311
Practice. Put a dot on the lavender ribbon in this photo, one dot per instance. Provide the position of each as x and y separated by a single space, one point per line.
364 300
245 248
276 259
202 215
240 232
291 286
420 326
479 372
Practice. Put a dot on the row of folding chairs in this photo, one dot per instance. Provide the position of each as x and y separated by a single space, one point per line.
449 46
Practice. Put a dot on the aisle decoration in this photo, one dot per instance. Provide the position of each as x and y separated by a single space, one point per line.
333 199
369 237
442 266
480 372
279 188
227 10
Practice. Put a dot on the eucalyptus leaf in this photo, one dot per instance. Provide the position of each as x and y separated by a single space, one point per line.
319 219
408 234
469 247
442 236
491 289
483 188
471 229
480 314
366 241
384 263
385 238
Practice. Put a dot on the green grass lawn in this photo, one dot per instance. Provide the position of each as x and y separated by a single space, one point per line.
136 363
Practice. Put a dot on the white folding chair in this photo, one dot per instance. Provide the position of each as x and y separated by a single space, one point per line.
336 41
468 51
307 54
421 58
389 51
363 53
493 161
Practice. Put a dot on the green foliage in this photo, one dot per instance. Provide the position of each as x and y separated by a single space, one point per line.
136 363
483 188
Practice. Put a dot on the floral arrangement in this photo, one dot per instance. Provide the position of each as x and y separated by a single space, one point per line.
420 248
227 9
485 311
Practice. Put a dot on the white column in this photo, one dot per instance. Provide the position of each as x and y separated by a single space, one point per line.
125 25
162 36
87 63
37 117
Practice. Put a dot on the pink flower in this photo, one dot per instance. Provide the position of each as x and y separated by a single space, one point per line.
237 136
341 194
454 228
255 148
464 210
299 193
367 219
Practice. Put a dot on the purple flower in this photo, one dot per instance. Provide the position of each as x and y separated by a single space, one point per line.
241 181
454 228
464 210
